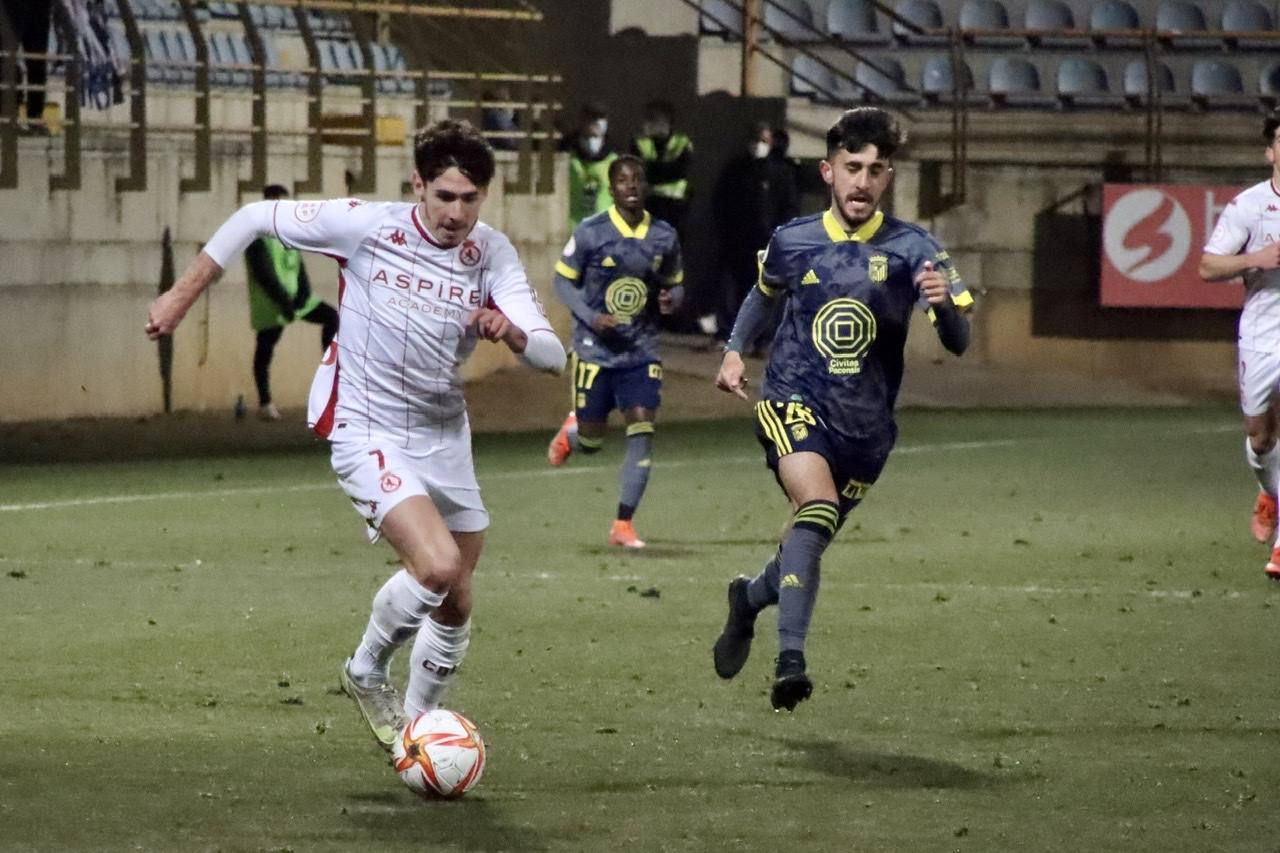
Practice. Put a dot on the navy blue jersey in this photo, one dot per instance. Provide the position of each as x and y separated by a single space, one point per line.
620 271
848 301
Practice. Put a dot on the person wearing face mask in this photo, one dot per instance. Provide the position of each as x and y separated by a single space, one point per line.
589 157
761 193
666 154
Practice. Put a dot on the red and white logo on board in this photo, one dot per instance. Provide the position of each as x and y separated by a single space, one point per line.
469 254
390 482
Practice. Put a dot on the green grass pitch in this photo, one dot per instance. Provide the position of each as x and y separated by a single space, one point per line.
1041 631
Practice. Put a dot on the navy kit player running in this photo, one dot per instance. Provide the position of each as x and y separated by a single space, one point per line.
617 268
850 278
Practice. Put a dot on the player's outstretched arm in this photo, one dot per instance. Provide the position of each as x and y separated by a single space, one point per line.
752 317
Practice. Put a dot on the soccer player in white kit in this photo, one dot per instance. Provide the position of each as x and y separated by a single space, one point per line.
1246 241
420 284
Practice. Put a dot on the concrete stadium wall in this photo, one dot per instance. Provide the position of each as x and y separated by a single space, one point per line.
80 269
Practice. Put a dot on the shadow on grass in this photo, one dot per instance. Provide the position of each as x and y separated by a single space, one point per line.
653 550
888 770
469 823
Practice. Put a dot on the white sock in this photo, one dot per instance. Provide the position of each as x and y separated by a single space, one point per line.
399 609
1263 466
436 655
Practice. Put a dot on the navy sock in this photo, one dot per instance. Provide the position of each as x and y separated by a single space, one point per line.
812 527
763 588
635 468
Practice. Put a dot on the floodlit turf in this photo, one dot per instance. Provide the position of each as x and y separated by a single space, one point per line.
1042 631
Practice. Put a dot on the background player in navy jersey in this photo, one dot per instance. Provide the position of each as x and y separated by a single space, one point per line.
617 268
850 278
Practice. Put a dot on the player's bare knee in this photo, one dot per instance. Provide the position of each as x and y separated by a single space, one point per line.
437 568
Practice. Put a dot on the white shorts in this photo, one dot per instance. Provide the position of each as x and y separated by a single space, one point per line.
1259 380
377 476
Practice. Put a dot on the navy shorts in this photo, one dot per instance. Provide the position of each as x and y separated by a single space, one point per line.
598 390
792 427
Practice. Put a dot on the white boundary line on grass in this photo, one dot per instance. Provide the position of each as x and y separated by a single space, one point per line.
72 503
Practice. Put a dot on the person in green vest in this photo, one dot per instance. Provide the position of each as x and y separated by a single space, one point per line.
589 157
280 292
666 154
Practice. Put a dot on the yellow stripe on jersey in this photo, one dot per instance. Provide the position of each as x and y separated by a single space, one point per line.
862 234
772 426
678 278
768 290
963 300
567 271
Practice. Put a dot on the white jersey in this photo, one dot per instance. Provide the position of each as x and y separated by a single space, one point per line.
393 370
1250 221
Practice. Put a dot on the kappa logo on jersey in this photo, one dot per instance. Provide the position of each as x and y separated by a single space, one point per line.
306 211
878 268
470 253
1271 208
352 204
397 237
390 482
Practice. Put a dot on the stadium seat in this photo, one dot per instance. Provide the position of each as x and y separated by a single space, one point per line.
925 15
1108 16
720 18
854 21
1269 85
1050 16
220 56
1015 82
1178 22
157 55
990 16
790 19
938 80
1247 16
884 80
1083 83
223 9
1136 89
1216 83
278 18
811 78
183 51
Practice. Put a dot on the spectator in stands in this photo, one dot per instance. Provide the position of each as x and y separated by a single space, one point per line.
666 154
279 292
589 157
756 192
499 119
29 20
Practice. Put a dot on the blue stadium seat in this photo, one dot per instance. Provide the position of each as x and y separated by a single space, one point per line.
183 51
1015 82
1051 16
157 54
1136 88
1247 16
854 21
791 19
1108 16
1178 22
990 16
1217 83
925 15
883 79
279 18
1083 83
720 18
220 56
938 79
276 78
1269 85
811 78
222 9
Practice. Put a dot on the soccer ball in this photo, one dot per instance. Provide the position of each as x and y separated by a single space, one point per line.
439 754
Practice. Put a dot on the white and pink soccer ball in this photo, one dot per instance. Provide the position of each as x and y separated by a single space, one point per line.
439 754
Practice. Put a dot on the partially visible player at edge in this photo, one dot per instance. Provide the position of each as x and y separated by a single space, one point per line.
617 265
420 284
1246 241
849 278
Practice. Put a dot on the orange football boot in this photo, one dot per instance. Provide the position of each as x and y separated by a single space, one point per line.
560 448
623 534
1272 569
1264 518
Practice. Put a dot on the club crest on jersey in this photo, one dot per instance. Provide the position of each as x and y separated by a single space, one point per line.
799 432
656 263
469 254
306 211
878 268
397 237
390 482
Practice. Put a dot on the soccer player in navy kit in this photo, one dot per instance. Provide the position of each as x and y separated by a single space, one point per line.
617 268
850 278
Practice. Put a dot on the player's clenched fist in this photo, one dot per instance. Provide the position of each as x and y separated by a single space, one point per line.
933 284
1267 258
490 324
730 377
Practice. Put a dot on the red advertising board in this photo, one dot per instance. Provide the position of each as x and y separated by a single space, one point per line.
1152 239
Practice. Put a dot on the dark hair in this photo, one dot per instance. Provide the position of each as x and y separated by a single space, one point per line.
661 108
453 143
593 111
625 160
271 192
862 126
1269 125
